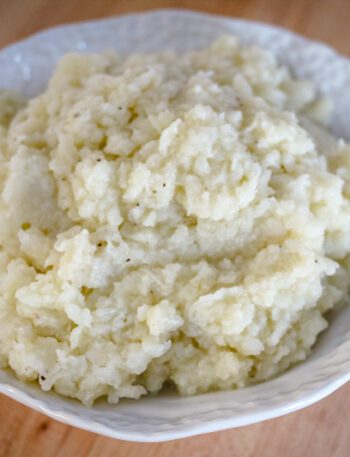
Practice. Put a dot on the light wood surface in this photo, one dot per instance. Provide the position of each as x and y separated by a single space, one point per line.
321 430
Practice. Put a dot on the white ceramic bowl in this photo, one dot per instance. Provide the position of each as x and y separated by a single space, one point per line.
27 65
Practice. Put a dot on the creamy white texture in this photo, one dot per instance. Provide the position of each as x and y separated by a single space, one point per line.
167 218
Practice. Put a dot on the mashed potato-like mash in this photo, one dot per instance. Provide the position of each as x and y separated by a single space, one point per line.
167 219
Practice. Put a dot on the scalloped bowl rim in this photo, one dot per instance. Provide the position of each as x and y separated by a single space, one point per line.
72 413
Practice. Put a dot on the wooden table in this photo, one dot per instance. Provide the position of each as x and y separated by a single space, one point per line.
321 430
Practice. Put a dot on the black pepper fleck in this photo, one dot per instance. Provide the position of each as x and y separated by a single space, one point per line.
43 378
127 260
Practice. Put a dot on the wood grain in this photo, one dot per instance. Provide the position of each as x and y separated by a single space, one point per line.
320 430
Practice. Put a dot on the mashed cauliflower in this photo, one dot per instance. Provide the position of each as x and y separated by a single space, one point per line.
167 219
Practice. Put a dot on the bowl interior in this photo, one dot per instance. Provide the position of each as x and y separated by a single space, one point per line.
26 67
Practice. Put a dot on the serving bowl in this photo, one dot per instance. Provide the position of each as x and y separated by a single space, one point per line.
27 65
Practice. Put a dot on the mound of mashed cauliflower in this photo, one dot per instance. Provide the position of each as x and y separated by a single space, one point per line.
167 219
